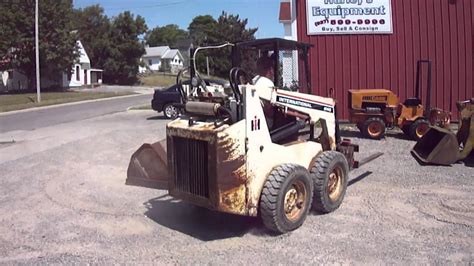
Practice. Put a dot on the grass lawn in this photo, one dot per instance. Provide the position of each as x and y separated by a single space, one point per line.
158 80
10 102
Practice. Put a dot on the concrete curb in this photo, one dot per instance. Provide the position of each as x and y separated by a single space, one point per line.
67 104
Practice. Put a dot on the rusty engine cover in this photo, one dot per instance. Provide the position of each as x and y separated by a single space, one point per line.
207 166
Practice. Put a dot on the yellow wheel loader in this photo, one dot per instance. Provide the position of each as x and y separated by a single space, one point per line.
259 151
441 146
374 110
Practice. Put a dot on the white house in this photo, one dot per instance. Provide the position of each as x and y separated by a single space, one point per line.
161 58
82 73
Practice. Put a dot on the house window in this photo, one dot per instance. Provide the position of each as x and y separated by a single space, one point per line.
150 62
10 74
78 74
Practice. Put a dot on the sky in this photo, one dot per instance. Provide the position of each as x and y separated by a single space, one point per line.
260 13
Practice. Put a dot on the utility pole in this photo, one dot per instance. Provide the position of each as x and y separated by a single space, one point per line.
207 65
38 81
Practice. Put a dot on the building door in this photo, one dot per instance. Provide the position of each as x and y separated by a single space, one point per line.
85 76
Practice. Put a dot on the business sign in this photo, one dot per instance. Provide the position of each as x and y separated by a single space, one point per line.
326 17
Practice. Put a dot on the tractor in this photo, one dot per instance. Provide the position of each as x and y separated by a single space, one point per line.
374 110
258 151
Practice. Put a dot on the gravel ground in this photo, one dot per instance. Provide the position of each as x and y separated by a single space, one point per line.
63 200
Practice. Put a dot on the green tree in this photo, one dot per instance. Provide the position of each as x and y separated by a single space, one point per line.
93 29
166 35
57 43
227 28
200 28
126 49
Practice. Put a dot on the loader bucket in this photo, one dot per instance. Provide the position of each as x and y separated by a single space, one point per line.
438 146
148 166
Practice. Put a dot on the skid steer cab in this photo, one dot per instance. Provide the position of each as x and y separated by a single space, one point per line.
258 151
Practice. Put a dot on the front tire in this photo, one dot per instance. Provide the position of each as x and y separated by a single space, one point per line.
419 128
330 174
286 198
374 128
170 111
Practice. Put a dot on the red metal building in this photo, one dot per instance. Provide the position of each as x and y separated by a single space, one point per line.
437 30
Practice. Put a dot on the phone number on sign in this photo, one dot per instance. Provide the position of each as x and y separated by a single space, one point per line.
352 22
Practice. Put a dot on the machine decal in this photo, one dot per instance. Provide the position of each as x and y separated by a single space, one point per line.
255 124
305 103
377 98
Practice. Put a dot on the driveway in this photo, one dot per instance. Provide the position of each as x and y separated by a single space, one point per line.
63 200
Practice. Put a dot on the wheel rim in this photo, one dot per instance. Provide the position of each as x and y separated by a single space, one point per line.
295 199
171 111
421 130
334 187
374 129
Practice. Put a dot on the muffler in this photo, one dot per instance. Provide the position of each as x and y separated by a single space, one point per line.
148 166
438 146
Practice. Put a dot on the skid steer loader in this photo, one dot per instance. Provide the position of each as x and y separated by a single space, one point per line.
441 146
222 154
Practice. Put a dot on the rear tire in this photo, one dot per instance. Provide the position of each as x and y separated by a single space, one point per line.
418 129
286 198
374 128
330 174
170 112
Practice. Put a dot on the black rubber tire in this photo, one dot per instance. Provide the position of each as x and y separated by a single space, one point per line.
324 165
413 127
368 122
273 194
170 105
406 130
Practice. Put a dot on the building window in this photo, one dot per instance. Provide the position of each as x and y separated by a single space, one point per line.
10 74
78 74
150 62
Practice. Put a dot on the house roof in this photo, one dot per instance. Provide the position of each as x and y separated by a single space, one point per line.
158 51
83 58
285 11
170 54
184 44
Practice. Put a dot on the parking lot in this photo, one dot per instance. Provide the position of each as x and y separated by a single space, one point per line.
63 200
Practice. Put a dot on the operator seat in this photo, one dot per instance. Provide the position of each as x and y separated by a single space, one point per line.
412 102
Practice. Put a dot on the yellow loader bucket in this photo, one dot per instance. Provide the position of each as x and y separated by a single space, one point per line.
148 166
438 146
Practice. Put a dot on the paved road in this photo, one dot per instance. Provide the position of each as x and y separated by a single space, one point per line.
69 113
